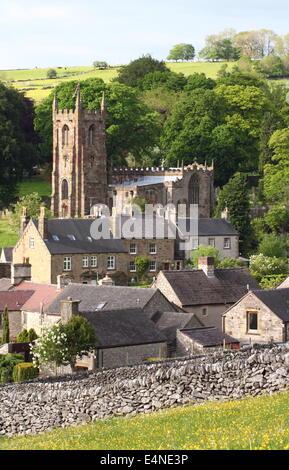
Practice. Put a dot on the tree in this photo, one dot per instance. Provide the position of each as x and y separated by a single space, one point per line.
262 266
235 196
232 263
199 80
98 64
168 80
131 126
132 73
182 52
204 250
51 73
5 326
273 246
81 338
142 265
63 343
18 141
32 202
256 44
276 173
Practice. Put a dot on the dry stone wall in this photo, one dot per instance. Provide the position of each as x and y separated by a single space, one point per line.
40 405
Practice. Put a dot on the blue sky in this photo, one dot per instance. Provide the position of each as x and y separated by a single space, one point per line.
73 32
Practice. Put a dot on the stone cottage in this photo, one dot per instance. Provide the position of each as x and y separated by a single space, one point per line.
260 316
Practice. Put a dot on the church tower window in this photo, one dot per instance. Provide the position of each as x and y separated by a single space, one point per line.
65 131
64 190
91 135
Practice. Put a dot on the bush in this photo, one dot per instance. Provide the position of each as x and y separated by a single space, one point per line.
24 371
204 250
7 363
27 336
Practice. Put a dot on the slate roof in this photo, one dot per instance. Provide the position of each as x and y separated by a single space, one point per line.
83 243
209 227
42 295
146 226
276 300
8 251
14 299
195 288
123 327
113 297
170 322
209 336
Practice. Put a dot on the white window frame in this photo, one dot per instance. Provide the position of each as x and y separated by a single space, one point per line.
31 242
132 267
212 240
111 262
153 269
85 261
152 249
133 252
67 263
93 261
227 246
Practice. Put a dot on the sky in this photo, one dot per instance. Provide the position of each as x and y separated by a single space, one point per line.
36 33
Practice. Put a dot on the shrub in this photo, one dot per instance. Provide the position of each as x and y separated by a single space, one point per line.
27 336
7 362
24 371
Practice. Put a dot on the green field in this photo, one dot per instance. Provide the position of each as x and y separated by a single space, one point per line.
36 78
254 423
7 235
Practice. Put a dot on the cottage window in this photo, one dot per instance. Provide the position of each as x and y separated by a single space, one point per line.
227 243
152 249
93 261
132 248
67 264
252 321
153 266
111 262
132 267
204 311
85 262
211 241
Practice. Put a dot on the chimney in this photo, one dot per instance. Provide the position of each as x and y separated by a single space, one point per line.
43 224
206 263
68 308
24 219
106 281
226 214
20 272
61 282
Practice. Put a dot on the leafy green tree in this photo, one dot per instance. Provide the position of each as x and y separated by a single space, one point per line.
142 265
235 196
32 202
168 80
131 74
273 246
277 218
127 116
262 266
232 263
276 173
199 80
81 338
98 64
224 49
51 73
5 326
204 250
182 52
272 66
18 141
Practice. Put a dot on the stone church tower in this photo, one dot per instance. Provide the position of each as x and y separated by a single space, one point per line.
79 177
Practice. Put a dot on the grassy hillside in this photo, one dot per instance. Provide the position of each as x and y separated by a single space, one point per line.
36 79
255 423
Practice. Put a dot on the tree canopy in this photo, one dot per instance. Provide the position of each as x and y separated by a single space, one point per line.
182 52
132 73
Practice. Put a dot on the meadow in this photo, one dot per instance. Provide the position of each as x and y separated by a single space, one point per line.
250 424
36 78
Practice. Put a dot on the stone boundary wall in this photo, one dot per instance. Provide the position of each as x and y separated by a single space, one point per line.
40 405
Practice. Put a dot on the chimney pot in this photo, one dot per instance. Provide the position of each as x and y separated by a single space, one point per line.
206 263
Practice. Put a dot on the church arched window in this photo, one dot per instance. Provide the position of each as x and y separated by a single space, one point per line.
65 131
91 135
194 190
64 190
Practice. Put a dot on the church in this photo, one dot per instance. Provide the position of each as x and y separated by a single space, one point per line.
81 177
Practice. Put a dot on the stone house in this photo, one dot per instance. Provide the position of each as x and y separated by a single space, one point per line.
205 339
260 316
51 247
6 254
218 233
207 291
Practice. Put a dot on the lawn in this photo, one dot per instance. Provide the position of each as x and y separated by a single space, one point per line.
254 423
36 185
7 235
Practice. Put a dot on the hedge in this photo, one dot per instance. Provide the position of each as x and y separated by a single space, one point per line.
24 371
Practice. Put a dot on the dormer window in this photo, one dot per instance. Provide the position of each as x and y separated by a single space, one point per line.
55 238
71 237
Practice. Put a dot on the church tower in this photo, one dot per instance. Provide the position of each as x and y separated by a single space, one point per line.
79 177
